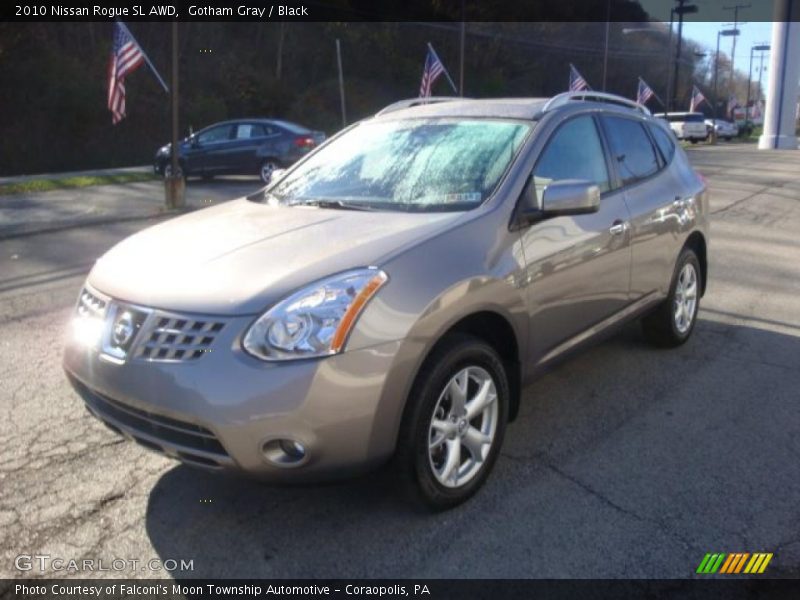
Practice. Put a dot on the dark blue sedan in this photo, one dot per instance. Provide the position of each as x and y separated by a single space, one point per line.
241 147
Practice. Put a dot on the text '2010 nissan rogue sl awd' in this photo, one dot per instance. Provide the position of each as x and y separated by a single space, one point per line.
389 295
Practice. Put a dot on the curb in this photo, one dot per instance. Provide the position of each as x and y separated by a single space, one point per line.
29 229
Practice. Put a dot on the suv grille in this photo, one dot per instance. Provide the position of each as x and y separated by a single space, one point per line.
176 338
158 335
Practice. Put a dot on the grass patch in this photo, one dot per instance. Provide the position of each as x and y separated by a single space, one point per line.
46 185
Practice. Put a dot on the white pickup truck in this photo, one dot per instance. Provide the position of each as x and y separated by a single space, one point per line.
689 126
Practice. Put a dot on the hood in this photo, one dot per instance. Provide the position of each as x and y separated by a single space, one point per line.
239 257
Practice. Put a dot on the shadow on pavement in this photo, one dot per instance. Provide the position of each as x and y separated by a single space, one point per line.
634 425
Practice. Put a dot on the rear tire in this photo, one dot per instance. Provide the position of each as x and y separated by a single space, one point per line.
672 323
454 423
268 167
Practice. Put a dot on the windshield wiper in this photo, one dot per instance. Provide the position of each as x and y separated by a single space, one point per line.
336 204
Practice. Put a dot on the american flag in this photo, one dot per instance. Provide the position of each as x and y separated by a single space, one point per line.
433 68
576 81
697 99
126 57
644 93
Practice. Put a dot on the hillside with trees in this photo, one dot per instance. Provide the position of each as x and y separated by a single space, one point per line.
54 76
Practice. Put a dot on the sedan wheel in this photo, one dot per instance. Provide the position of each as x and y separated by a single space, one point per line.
454 422
268 167
168 171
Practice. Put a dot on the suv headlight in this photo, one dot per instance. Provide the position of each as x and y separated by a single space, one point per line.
316 320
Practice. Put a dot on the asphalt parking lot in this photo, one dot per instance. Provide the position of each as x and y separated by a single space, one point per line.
626 461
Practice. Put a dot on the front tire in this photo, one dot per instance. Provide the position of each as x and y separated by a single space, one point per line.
168 171
454 423
673 321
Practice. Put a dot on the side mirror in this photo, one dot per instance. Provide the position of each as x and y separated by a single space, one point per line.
194 141
561 197
570 197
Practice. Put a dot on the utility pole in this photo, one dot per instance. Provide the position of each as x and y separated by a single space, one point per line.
680 10
461 60
174 183
756 48
724 32
669 62
279 63
735 10
341 81
605 47
760 71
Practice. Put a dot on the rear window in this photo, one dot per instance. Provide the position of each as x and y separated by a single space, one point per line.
695 118
249 130
631 149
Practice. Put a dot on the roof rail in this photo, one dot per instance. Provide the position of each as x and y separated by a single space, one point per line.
409 102
587 95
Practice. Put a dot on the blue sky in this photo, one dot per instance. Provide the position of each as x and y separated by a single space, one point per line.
752 34
703 25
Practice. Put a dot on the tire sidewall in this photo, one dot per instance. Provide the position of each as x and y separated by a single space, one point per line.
426 395
687 256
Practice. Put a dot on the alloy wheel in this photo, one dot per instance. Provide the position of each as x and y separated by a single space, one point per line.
267 169
463 427
685 300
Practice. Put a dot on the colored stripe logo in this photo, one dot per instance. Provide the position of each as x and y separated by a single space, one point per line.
734 563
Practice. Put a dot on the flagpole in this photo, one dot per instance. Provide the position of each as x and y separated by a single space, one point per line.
341 81
446 74
144 54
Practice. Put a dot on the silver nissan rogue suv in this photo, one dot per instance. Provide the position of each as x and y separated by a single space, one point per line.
389 295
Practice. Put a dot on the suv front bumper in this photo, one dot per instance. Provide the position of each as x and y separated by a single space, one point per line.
221 410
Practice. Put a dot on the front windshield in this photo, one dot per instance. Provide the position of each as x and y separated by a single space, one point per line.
419 164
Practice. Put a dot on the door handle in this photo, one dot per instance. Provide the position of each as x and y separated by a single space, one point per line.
618 228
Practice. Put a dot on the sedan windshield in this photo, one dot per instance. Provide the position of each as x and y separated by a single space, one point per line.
413 165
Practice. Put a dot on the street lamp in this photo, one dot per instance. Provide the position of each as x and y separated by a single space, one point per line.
724 32
757 48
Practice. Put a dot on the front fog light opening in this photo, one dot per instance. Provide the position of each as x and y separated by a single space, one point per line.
284 452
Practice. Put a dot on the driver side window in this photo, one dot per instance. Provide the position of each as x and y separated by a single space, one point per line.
573 152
